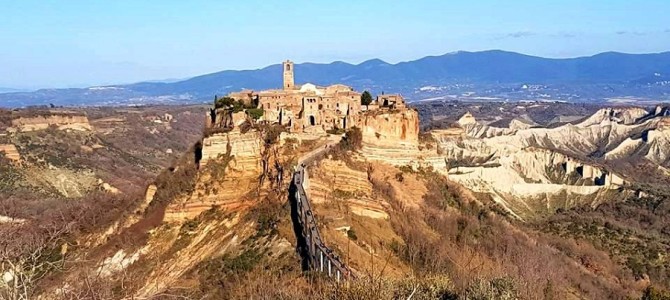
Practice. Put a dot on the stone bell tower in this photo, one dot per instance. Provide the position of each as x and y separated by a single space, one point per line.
288 75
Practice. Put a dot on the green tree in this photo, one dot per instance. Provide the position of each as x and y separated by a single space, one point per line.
366 98
238 106
225 101
255 113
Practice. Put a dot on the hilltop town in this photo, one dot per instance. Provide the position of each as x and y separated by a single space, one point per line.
294 191
310 108
347 150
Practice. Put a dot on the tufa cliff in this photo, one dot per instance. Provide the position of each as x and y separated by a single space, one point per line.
237 155
59 120
9 150
529 171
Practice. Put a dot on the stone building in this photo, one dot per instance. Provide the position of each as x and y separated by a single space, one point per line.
247 96
393 101
312 108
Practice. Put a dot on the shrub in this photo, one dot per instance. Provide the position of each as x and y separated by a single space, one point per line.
220 272
352 234
499 288
271 133
650 293
338 193
242 263
335 131
353 140
426 137
255 113
223 102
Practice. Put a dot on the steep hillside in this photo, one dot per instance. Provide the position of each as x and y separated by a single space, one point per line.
67 175
474 212
97 148
395 222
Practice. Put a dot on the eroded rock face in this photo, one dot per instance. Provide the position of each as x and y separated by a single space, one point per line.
467 119
652 144
237 157
516 168
625 116
245 147
333 180
519 124
577 140
62 122
150 193
390 128
530 181
10 152
518 171
392 136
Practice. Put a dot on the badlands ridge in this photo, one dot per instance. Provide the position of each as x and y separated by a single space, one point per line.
531 171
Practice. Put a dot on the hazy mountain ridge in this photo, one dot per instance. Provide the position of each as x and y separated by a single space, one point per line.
11 90
495 73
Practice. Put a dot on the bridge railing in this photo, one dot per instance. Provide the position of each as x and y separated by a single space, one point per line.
322 258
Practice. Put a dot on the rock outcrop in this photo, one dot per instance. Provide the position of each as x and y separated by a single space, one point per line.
467 119
390 128
230 167
10 152
245 147
392 136
517 179
517 167
652 144
519 124
625 116
335 181
60 121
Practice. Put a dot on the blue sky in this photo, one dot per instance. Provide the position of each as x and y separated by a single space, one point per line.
69 43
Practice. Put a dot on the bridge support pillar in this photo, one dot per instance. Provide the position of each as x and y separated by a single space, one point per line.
321 259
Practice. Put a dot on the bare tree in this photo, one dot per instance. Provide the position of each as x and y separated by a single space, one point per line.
28 254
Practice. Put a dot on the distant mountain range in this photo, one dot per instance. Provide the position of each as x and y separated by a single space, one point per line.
11 90
472 75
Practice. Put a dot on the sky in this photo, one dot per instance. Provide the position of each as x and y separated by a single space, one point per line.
76 43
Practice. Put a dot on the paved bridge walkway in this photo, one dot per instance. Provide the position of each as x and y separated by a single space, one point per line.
314 252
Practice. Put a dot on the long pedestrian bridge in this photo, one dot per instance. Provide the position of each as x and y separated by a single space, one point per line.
316 255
